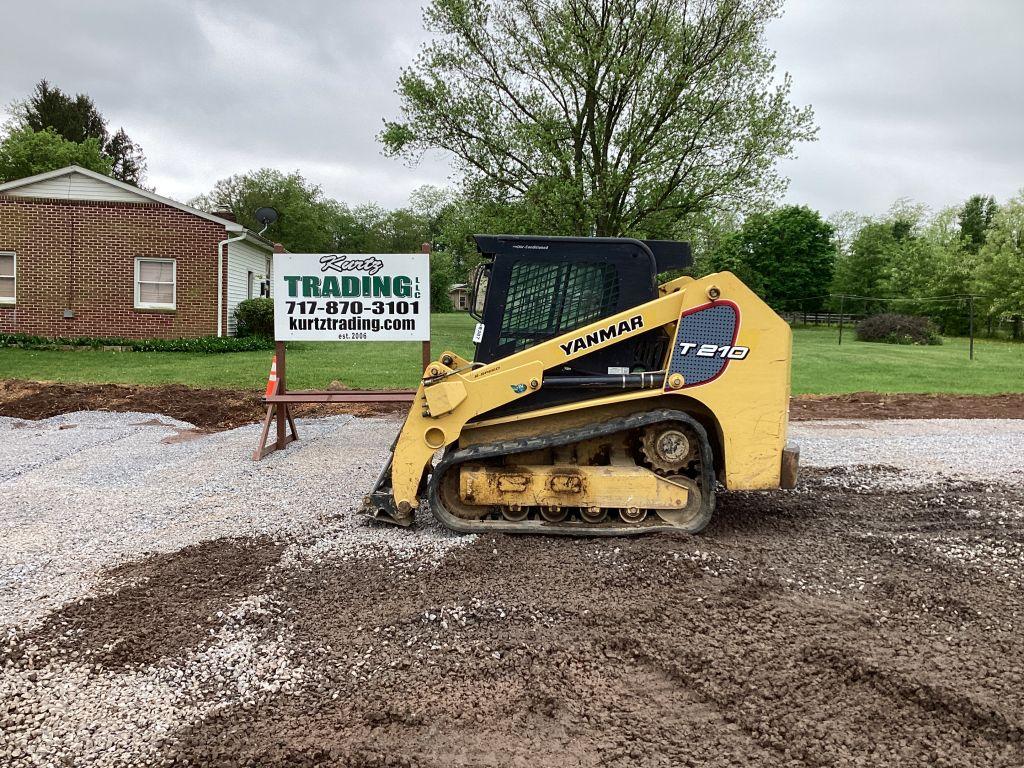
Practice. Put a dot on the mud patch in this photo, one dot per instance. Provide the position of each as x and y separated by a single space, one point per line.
205 408
817 627
159 606
185 435
227 408
876 405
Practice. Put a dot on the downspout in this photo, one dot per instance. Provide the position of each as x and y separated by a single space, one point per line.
220 280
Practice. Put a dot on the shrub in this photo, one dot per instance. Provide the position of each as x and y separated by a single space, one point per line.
890 328
204 344
255 317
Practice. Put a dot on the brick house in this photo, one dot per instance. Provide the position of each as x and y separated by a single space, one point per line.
82 254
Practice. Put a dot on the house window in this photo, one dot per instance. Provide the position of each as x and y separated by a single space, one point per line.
249 285
154 283
8 278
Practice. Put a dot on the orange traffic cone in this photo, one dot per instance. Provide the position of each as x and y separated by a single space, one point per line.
272 380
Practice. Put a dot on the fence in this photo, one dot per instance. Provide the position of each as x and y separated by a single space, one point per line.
843 318
820 318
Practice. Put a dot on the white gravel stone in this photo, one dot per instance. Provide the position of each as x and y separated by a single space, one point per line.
924 449
88 490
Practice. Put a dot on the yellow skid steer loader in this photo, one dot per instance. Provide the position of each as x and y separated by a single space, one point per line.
599 402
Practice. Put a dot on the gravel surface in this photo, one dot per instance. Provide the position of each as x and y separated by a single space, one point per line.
91 489
922 449
166 601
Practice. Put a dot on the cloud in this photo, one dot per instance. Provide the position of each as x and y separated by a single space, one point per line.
917 97
914 98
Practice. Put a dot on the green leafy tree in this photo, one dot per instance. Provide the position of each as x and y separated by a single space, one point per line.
786 255
950 272
128 163
730 255
24 152
309 222
77 119
975 218
603 116
404 230
862 271
845 226
999 275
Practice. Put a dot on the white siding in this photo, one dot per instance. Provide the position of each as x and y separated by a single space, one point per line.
77 186
243 257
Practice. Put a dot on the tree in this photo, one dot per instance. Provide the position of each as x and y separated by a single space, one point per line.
309 222
126 158
605 116
950 271
786 256
999 276
77 120
975 218
24 152
863 269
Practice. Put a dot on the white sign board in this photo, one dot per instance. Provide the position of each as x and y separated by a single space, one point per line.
351 297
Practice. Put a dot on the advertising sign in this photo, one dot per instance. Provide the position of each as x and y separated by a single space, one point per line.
351 297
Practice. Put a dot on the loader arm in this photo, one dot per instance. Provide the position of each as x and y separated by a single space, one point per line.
748 396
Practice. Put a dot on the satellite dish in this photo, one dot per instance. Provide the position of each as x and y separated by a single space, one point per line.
266 216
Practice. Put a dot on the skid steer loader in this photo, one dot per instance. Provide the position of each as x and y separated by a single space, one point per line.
599 402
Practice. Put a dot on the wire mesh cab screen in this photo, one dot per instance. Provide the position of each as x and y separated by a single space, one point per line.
540 288
546 299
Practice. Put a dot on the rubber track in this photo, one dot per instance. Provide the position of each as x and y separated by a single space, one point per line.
452 459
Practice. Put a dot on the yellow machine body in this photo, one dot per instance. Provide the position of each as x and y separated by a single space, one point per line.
743 410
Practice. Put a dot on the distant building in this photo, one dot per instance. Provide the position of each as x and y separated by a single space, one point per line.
459 294
82 254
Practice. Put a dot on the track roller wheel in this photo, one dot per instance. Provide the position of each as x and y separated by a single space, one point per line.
694 500
553 514
594 515
515 512
633 515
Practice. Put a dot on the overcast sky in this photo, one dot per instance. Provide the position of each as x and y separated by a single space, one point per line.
916 98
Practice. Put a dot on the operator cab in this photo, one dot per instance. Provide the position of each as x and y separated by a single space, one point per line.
531 289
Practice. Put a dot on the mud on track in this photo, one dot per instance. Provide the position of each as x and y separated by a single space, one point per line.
845 623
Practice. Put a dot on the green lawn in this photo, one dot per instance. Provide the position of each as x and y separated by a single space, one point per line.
819 365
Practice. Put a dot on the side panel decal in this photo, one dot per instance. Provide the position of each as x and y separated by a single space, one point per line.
705 343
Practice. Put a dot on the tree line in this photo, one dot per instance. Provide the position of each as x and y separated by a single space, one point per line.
910 260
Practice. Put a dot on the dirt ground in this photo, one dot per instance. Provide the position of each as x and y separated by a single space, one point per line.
226 408
206 408
840 625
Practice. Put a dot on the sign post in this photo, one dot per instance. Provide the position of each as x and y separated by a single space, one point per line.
343 297
426 342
